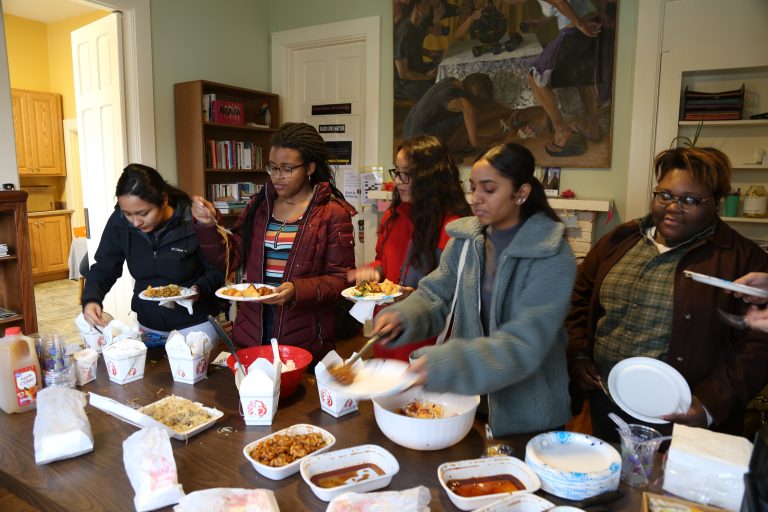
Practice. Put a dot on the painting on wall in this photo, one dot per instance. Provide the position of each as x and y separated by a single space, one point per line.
479 72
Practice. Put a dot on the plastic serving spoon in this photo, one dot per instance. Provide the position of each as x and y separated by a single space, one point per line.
230 344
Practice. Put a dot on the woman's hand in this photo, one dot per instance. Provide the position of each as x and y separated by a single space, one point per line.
695 416
360 274
196 296
590 28
203 211
389 324
92 314
757 319
419 368
285 294
756 279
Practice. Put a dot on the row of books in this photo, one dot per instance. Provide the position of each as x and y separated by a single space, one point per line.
241 191
3 250
7 313
712 106
230 206
233 154
223 111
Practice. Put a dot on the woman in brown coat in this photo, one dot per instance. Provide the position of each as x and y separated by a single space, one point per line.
296 234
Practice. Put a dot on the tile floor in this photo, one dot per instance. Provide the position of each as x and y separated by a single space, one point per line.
58 304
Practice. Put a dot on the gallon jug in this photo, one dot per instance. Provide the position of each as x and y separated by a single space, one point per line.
19 372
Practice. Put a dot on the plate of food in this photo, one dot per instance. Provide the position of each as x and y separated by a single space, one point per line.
246 292
167 292
185 417
374 377
373 291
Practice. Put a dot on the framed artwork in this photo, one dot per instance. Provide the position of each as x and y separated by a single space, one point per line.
479 72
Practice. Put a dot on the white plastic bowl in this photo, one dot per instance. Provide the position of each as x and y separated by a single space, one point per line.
426 434
573 466
289 469
348 457
476 468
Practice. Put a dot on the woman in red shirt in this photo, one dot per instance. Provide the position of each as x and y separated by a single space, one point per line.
428 195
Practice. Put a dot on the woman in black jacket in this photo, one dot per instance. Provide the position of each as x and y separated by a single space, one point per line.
151 229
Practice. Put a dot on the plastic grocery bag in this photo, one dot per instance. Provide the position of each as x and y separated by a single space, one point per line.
151 468
61 427
415 499
222 498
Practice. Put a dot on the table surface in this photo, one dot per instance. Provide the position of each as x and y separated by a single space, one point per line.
97 480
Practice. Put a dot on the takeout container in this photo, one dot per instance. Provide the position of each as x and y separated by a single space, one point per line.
332 400
260 392
188 356
489 466
346 458
573 466
290 380
125 360
426 434
91 336
519 503
85 365
282 472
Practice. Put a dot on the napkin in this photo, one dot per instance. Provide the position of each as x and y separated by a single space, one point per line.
363 310
187 303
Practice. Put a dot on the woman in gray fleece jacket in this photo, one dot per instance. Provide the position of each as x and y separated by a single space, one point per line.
508 339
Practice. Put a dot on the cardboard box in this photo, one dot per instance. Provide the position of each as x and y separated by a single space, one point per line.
85 365
125 360
188 356
331 401
260 392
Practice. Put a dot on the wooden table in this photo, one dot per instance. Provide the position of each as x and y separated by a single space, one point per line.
97 480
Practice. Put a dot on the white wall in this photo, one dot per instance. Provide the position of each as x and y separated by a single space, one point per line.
8 171
715 24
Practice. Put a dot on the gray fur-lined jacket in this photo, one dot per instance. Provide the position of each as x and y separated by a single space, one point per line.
522 364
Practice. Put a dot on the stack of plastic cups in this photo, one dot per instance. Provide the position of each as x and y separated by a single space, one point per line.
57 366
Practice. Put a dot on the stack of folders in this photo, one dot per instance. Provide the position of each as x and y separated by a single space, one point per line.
712 106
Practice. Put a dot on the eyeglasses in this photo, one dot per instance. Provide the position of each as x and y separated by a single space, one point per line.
686 203
404 177
283 171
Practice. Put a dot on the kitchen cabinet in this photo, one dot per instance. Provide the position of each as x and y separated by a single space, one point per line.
37 126
50 238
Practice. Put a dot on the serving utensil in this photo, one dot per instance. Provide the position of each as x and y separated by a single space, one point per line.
230 344
735 321
626 434
343 373
605 390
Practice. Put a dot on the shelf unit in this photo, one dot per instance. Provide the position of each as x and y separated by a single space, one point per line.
195 175
17 292
714 70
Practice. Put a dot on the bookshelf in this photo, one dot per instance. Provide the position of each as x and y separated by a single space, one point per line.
217 158
17 293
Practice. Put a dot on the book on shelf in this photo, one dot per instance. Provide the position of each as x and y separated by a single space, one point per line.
7 313
232 155
228 112
207 99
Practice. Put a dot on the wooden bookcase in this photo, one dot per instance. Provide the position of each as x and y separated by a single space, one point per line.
196 173
17 292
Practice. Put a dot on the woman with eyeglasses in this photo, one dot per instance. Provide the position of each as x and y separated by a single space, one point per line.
511 296
296 234
631 298
428 195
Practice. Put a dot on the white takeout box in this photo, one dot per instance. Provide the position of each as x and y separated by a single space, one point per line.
125 360
91 336
331 401
188 356
260 392
85 365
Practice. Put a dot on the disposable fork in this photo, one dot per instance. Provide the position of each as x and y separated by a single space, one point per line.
735 321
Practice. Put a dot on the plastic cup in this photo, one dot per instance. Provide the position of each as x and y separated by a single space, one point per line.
638 454
54 358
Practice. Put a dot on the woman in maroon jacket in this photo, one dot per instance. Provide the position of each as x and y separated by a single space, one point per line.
296 234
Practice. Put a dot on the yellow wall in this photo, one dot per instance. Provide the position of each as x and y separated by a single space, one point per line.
27 43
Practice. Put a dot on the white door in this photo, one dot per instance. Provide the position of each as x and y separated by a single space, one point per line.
97 58
333 65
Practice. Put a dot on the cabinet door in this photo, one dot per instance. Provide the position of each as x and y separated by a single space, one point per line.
47 136
35 244
21 134
54 237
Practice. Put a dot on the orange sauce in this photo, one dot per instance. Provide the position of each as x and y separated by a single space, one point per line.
485 485
348 475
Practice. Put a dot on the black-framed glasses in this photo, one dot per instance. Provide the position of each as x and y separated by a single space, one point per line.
686 203
404 177
282 171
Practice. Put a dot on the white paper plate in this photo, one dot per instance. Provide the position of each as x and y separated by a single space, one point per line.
185 294
243 286
646 388
728 285
376 377
349 293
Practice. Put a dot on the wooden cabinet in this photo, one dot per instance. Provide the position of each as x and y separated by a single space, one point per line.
37 123
50 238
17 292
210 154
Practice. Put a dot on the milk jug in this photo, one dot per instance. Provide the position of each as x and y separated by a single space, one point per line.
19 372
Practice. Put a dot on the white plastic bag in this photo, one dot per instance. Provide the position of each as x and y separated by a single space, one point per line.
221 498
61 427
151 468
415 499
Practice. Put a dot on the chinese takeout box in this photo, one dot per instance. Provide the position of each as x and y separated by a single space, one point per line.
91 336
707 467
188 356
85 365
125 360
332 401
260 391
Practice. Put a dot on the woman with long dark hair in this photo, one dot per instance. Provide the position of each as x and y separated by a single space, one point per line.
296 234
151 229
428 195
512 289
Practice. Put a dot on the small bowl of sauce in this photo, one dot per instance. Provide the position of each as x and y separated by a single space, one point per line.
485 485
346 475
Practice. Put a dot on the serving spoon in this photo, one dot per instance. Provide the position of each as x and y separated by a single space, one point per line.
343 373
230 344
